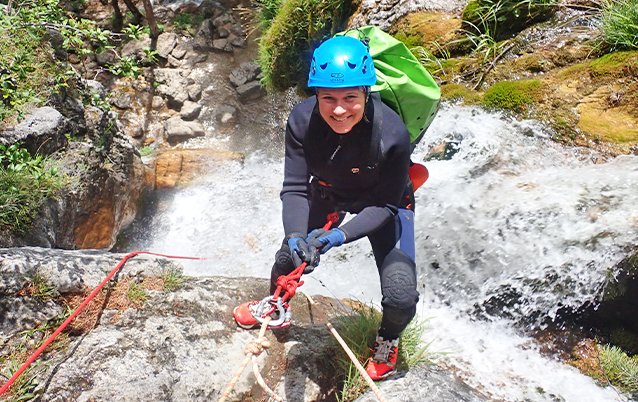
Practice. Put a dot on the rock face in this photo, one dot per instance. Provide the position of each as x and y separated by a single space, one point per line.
106 179
178 345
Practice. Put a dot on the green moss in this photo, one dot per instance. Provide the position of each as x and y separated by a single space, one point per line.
615 64
514 96
459 92
285 48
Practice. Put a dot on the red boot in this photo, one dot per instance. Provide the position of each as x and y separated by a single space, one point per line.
383 361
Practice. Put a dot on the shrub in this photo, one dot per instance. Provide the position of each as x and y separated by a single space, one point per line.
511 95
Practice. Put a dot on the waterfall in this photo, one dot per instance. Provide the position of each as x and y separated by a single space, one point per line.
510 229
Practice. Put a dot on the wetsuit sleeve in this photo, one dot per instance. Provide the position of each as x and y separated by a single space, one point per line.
386 195
294 193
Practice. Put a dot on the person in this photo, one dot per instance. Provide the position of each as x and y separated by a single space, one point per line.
346 151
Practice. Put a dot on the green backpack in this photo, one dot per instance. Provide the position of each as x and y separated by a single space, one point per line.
402 81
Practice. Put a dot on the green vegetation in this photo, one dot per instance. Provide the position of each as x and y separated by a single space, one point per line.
187 23
25 182
136 293
29 74
173 279
618 64
41 289
514 96
23 389
285 47
502 19
620 24
146 151
359 330
620 369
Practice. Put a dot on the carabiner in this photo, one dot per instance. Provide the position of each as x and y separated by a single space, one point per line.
275 309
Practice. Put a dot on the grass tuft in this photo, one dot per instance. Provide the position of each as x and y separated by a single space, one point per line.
173 279
359 330
620 24
620 369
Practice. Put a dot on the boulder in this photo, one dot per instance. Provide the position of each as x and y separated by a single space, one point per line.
43 131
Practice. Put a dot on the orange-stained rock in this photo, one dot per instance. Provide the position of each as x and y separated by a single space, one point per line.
180 167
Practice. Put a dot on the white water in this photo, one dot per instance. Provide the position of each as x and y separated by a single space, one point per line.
510 210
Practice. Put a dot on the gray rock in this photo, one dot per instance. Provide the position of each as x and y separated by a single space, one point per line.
178 130
135 48
180 50
222 45
194 92
250 91
166 42
425 384
190 110
42 131
246 72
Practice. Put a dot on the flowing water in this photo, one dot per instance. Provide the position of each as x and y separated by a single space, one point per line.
509 230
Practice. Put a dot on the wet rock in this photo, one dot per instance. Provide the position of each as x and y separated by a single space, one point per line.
246 72
190 110
223 45
178 130
43 131
226 114
176 168
250 91
425 384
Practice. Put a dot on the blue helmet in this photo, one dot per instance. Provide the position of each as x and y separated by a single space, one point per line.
340 62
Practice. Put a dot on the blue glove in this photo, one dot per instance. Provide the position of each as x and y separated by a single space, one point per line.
325 240
301 251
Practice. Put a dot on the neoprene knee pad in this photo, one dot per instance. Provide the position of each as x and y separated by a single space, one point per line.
398 281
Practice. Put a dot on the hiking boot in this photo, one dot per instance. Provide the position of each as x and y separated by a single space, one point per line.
245 313
383 361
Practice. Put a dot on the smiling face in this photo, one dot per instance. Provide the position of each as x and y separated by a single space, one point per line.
341 108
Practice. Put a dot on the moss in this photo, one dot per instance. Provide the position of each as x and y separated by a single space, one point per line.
617 64
531 62
459 92
285 48
515 96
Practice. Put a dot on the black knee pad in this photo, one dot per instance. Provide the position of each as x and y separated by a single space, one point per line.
398 281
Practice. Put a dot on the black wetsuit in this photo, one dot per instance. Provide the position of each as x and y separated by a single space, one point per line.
364 172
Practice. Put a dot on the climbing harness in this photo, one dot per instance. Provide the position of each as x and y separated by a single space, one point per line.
79 309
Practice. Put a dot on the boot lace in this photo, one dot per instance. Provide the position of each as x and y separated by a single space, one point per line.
384 349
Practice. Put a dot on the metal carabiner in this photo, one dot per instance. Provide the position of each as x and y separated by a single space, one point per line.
275 309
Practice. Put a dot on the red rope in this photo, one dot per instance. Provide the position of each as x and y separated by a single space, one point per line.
77 311
289 283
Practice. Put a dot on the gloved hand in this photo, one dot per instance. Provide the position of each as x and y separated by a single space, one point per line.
325 240
301 251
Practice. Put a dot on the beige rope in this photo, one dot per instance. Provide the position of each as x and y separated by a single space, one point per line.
261 382
252 349
356 363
